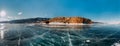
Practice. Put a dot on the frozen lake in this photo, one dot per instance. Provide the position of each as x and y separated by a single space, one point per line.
34 35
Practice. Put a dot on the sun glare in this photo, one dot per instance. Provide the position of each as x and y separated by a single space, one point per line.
2 13
3 16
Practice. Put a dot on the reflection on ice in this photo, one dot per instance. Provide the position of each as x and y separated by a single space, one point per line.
2 28
2 34
66 27
1 24
19 41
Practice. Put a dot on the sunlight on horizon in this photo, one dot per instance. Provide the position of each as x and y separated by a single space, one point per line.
2 13
3 16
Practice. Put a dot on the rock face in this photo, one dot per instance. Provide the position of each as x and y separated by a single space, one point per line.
69 20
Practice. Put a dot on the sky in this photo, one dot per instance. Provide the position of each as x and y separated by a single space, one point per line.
96 10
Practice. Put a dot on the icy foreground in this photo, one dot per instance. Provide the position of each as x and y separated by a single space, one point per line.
35 35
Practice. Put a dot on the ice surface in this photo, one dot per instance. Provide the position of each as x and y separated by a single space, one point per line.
35 35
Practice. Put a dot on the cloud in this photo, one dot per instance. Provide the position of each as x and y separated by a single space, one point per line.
20 13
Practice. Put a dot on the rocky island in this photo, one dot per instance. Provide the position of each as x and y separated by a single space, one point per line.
54 21
67 21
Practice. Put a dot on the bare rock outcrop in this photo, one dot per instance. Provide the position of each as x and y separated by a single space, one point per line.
69 20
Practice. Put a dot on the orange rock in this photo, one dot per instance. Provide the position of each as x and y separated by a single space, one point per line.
70 20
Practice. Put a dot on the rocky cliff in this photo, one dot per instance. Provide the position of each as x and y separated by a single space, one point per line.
69 20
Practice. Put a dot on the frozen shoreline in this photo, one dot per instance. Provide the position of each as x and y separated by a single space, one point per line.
58 23
61 24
